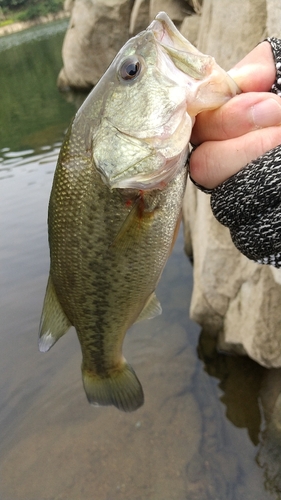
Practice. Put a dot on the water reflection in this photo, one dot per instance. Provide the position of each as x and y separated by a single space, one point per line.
33 112
209 428
252 396
269 456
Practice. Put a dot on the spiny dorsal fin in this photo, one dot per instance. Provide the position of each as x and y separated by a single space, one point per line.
53 323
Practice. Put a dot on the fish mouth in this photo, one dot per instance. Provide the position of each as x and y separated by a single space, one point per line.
177 46
183 54
209 86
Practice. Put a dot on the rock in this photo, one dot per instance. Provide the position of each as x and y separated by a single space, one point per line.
176 9
253 319
139 19
233 298
68 5
273 25
97 30
246 29
190 28
219 268
196 5
270 437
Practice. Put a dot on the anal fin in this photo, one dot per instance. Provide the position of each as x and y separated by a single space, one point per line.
151 309
53 323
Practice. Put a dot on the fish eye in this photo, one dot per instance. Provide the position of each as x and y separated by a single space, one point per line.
130 68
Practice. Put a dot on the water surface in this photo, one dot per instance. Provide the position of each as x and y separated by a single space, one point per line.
201 434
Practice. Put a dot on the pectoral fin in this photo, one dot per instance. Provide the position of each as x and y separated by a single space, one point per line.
53 323
151 309
131 231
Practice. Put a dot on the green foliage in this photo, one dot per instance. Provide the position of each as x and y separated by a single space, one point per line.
31 12
25 10
12 4
40 8
6 22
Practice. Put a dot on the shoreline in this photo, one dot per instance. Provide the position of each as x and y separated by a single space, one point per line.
23 25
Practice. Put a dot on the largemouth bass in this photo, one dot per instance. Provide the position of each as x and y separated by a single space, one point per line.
116 200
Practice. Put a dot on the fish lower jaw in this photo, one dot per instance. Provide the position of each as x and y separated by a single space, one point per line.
156 180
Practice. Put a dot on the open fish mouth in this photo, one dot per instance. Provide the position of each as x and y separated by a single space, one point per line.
166 33
195 65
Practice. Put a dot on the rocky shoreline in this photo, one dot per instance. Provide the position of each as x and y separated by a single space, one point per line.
19 26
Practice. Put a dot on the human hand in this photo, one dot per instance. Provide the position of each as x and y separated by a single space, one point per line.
244 128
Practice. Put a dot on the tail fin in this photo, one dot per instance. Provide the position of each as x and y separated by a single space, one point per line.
121 389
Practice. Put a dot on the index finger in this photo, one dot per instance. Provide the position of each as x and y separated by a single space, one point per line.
256 71
255 75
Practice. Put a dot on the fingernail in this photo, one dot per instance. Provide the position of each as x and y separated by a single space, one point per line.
266 113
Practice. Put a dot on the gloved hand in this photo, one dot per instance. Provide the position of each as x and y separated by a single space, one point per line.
246 130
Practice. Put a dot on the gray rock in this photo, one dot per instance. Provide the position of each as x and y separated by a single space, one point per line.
97 30
140 17
190 28
229 41
176 9
273 24
233 298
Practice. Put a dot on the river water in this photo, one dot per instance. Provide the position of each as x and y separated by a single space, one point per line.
201 434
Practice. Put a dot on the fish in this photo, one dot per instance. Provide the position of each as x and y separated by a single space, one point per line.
116 198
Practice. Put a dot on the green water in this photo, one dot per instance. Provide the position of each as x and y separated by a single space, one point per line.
202 433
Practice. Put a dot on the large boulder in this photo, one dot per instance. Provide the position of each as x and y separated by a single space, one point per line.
96 30
233 298
176 9
99 28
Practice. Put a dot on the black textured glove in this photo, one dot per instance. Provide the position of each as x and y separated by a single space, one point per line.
249 202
